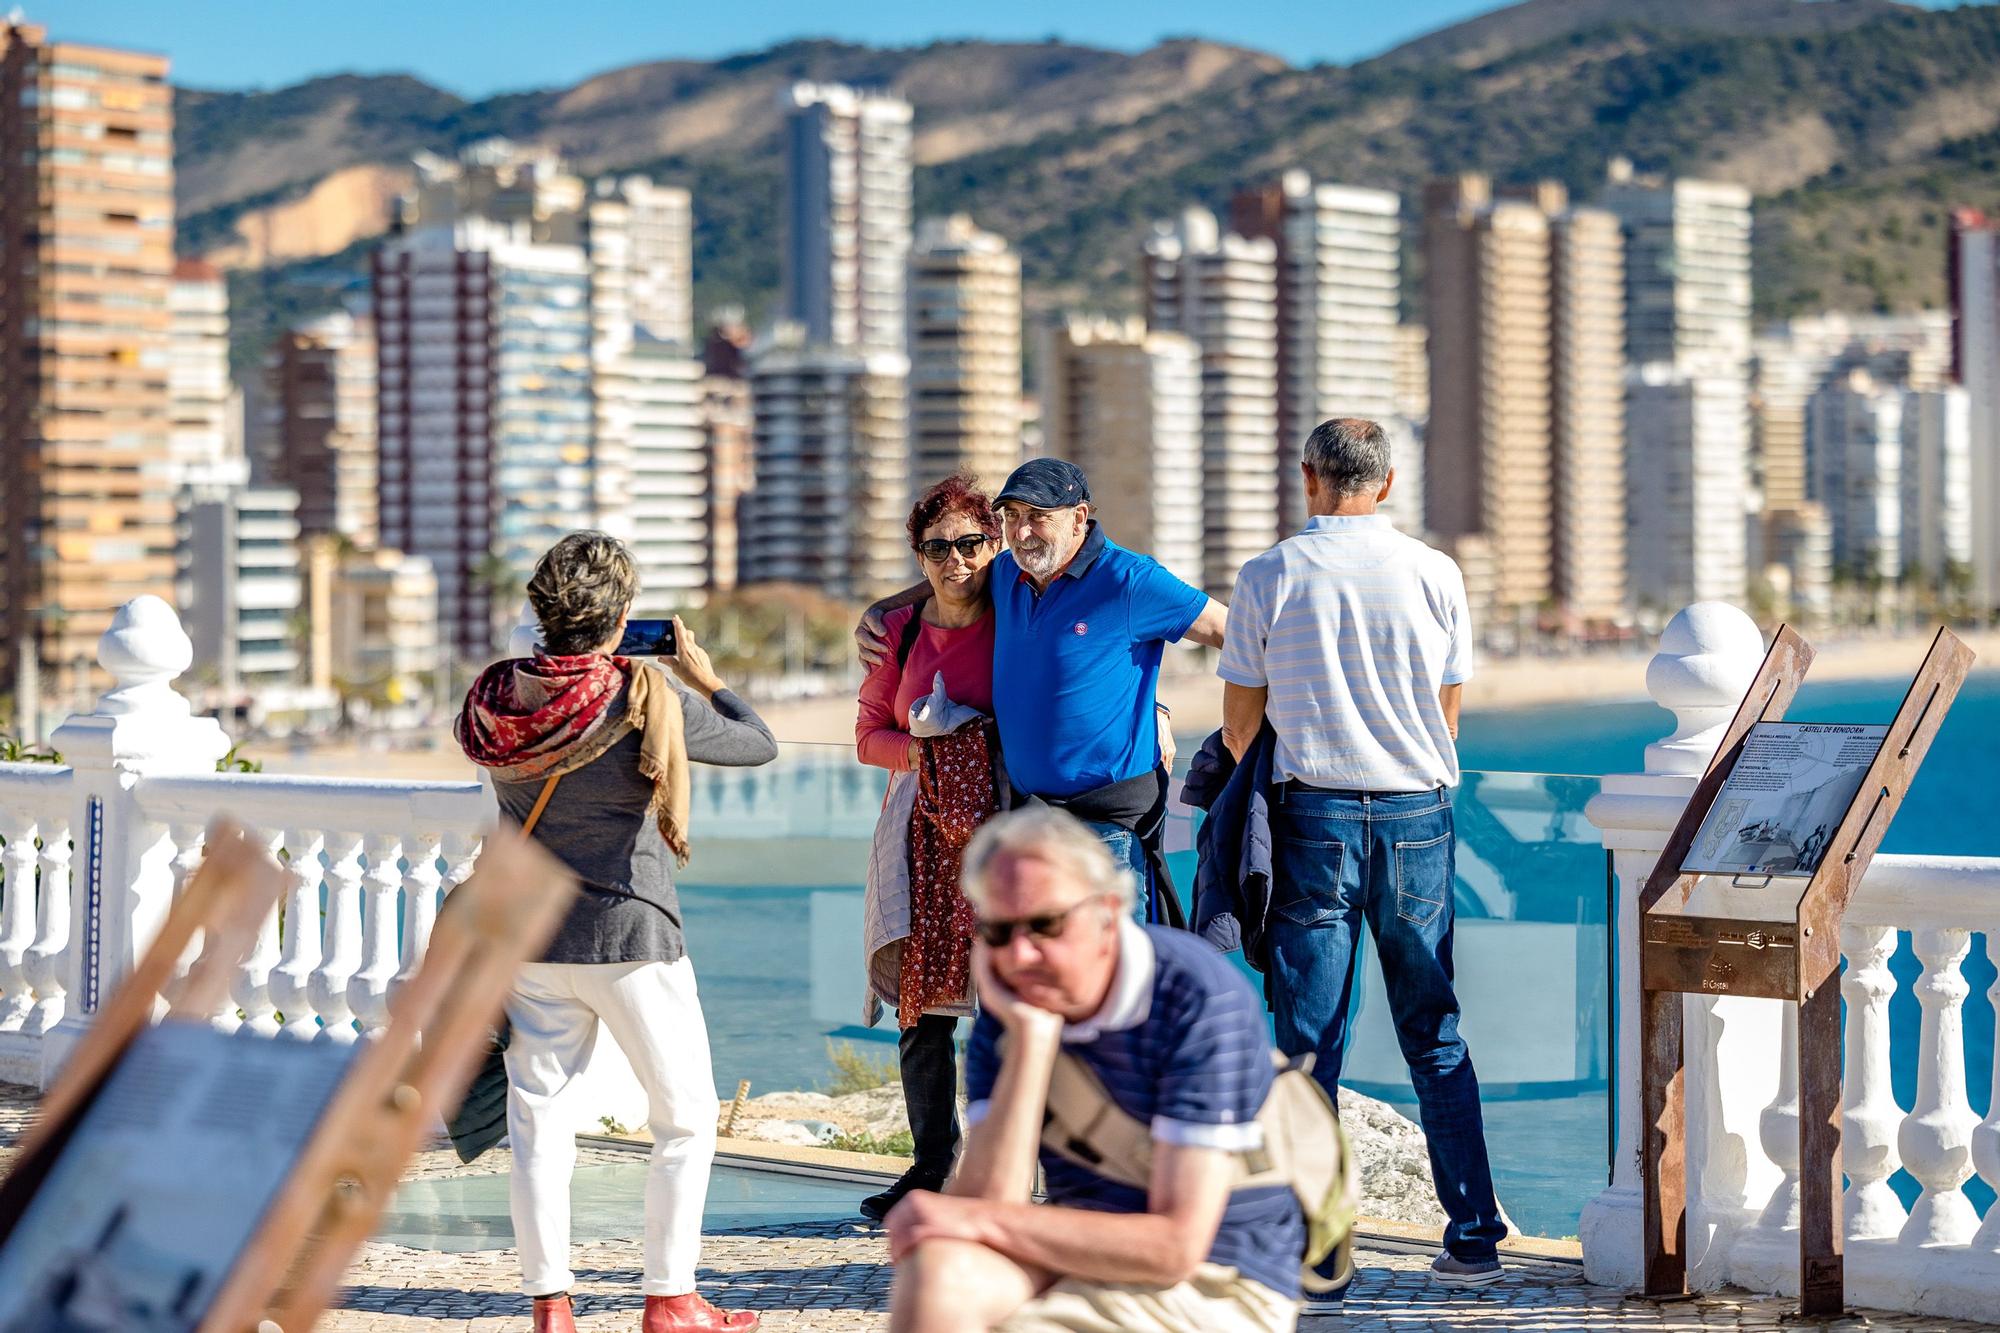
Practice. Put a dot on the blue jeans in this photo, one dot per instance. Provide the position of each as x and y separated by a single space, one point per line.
1344 857
1128 854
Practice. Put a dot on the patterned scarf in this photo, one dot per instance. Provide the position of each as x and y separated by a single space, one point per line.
954 797
540 717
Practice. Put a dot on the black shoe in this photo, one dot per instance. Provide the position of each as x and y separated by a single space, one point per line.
876 1206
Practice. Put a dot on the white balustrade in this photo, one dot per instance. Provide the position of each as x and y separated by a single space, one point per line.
1936 1137
1935 1257
1870 1209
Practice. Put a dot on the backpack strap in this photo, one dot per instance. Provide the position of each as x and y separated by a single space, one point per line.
541 804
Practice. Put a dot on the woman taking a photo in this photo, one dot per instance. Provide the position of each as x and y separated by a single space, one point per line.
925 715
589 751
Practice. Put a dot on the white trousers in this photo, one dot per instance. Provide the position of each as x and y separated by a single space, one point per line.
653 1013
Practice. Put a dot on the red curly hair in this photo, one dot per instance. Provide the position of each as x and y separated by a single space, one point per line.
954 495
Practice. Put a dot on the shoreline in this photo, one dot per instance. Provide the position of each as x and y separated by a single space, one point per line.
1190 689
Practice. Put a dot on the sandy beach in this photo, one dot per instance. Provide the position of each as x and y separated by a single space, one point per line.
1188 686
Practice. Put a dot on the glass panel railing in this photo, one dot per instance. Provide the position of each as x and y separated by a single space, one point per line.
773 904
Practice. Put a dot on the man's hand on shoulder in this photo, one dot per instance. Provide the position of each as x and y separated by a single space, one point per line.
871 636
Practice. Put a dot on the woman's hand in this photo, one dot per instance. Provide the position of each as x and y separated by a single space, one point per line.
689 661
916 754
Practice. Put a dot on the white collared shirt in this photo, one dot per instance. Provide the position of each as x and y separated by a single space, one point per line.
1353 627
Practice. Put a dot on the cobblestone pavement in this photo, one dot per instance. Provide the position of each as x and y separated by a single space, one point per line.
834 1277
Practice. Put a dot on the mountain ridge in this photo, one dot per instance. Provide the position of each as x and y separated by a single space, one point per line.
1857 123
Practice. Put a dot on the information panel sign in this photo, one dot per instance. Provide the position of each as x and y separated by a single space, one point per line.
1783 800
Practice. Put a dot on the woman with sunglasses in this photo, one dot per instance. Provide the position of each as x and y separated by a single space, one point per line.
926 715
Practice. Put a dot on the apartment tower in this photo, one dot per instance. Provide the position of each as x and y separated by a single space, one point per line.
847 215
1526 432
1222 292
965 354
86 266
1339 274
1125 406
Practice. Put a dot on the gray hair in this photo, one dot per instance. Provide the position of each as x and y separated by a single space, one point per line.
1050 835
1349 455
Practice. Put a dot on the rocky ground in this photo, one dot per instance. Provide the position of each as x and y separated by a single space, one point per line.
1395 1164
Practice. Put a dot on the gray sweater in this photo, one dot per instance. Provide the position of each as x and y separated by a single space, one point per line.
598 825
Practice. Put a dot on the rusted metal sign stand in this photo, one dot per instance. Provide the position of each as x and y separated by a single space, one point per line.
1795 959
388 1092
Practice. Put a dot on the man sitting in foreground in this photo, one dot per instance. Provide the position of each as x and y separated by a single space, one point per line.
1177 1039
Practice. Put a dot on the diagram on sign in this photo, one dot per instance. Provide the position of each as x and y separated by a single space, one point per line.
1784 798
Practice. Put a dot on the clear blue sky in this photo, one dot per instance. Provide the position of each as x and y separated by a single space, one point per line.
476 48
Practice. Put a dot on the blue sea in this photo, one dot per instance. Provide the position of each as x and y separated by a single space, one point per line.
1549 1136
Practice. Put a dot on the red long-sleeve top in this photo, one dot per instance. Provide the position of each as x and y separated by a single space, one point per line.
965 656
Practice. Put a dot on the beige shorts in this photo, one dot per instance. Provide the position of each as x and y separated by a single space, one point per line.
1214 1300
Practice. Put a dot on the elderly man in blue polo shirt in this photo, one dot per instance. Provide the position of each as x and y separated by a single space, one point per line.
1174 1037
1080 624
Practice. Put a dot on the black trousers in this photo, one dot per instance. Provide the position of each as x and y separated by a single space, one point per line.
930 1090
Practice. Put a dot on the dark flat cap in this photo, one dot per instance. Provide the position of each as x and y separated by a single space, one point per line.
1046 483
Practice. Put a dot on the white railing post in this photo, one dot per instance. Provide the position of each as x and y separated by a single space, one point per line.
368 992
1707 657
1936 1137
1868 1110
291 979
17 917
341 945
124 878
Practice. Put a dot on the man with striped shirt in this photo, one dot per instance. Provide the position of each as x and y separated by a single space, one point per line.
1353 641
1176 1038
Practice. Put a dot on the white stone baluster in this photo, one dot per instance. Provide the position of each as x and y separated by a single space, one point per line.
420 901
252 988
461 853
17 917
49 960
188 838
1986 1137
1869 1115
1766 1254
1936 1137
341 948
299 949
368 993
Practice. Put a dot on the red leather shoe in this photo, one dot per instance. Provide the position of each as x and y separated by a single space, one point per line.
693 1314
553 1314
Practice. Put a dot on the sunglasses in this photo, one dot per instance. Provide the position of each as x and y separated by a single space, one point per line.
937 549
1047 926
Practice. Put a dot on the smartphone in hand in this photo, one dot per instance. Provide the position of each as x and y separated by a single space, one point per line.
648 638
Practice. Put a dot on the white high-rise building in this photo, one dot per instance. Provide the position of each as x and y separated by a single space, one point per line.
641 239
1339 274
661 413
1222 291
1687 306
1685 531
965 354
1687 267
1974 279
239 585
832 469
205 426
486 416
1125 406
1937 484
847 216
1854 464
